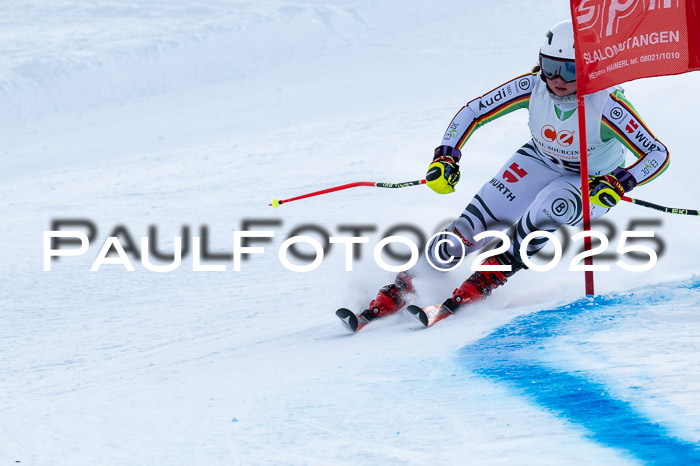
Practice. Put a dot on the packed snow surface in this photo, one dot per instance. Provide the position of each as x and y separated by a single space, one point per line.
167 119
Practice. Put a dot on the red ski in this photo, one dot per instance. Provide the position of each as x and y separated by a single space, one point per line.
354 322
430 315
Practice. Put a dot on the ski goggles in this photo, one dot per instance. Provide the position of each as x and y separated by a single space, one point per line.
557 67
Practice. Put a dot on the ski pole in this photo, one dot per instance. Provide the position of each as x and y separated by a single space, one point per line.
668 210
374 184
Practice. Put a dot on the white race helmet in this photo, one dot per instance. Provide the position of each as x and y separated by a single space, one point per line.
559 41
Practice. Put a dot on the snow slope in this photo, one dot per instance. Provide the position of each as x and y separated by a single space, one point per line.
197 114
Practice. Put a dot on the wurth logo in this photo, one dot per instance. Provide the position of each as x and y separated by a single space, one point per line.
514 174
502 189
646 143
632 126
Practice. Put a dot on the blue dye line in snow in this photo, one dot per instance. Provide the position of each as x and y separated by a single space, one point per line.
510 355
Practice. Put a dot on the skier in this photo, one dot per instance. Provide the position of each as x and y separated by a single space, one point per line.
538 188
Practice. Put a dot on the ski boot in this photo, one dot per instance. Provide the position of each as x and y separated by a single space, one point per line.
391 298
480 284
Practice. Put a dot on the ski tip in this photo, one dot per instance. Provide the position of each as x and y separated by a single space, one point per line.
413 309
348 317
419 314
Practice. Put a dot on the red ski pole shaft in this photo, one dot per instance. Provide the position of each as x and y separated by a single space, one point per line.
374 184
